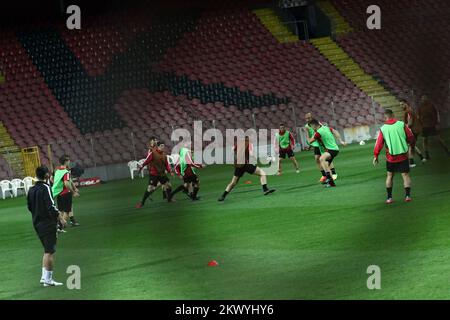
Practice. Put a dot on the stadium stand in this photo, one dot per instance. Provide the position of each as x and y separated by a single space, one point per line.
5 171
242 53
98 93
30 111
412 52
394 13
98 43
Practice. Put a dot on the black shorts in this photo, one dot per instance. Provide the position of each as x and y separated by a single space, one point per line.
192 178
48 238
317 151
249 168
401 167
153 181
429 131
284 152
334 154
64 202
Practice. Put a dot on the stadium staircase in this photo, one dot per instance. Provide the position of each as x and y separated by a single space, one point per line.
272 22
347 65
351 69
10 151
340 25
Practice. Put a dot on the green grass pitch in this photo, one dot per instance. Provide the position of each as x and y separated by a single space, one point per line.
302 242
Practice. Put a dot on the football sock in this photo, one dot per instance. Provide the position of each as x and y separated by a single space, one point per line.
168 193
330 180
146 195
408 192
323 173
389 192
224 194
194 194
48 276
43 273
333 171
419 154
264 186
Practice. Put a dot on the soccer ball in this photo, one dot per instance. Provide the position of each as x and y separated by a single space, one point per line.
362 142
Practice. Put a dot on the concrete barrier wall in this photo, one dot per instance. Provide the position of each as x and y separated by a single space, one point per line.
109 172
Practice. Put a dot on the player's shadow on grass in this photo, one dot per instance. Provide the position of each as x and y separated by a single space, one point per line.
441 192
138 266
22 295
303 187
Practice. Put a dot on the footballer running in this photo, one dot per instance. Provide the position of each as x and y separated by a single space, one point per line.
243 163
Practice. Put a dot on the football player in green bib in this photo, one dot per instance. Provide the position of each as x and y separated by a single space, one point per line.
64 189
328 147
285 143
186 168
397 137
315 145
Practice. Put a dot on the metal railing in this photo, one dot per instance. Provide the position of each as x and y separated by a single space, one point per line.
131 144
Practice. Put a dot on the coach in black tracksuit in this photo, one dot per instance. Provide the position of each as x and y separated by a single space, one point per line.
45 216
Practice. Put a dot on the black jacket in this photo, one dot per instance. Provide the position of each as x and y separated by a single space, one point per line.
42 207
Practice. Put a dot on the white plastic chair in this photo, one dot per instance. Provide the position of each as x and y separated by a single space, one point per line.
17 185
6 186
140 162
133 165
28 182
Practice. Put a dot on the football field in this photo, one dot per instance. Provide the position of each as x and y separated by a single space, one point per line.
302 242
